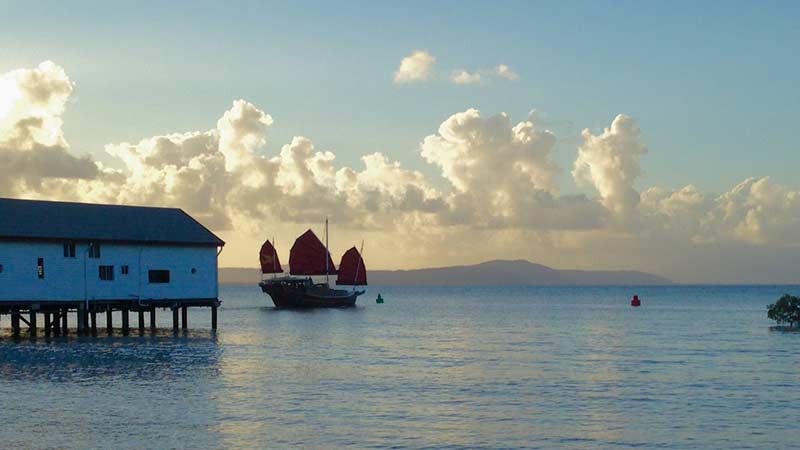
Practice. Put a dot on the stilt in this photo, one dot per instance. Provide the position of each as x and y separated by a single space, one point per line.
86 319
57 321
53 317
81 319
32 321
15 321
109 320
125 325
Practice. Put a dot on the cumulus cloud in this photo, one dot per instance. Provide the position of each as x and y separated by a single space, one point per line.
610 162
220 177
31 104
32 145
499 185
756 211
464 77
415 67
503 71
503 174
472 150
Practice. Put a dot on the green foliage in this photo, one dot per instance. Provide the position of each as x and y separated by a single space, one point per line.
785 310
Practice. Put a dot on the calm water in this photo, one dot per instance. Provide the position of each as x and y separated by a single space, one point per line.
695 367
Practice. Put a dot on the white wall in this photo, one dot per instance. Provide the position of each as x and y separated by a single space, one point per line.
64 277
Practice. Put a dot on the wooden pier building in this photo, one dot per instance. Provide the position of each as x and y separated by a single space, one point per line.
58 258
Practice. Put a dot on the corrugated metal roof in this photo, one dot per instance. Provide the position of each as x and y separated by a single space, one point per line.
36 219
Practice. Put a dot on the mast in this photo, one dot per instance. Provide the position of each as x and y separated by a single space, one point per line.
358 266
274 258
327 253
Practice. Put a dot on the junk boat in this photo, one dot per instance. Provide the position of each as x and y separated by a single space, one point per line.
310 257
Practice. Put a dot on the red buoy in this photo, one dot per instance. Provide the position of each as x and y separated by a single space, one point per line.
635 301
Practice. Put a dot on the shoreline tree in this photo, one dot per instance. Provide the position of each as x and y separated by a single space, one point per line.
785 310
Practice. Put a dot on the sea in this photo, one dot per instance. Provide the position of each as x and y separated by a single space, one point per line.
695 367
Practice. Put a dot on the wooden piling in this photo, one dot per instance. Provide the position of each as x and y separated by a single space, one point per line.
47 329
175 318
185 317
85 320
15 321
141 319
125 325
152 317
57 322
93 316
32 323
64 321
214 317
81 319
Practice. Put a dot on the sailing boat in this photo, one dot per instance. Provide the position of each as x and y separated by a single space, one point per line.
310 257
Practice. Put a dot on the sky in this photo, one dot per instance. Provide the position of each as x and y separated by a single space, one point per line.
653 136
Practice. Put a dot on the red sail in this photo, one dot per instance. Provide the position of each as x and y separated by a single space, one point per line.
352 270
308 256
269 259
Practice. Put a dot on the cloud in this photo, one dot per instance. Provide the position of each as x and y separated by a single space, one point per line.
28 95
472 150
242 130
418 66
497 195
503 71
610 162
755 211
220 177
415 67
32 145
503 174
464 77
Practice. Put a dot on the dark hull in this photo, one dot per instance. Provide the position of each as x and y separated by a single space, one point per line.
288 296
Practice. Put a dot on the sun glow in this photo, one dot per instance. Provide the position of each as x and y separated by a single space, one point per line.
9 95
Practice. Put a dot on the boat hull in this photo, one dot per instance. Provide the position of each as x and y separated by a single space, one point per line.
299 295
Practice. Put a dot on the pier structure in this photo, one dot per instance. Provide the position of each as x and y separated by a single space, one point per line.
62 262
57 318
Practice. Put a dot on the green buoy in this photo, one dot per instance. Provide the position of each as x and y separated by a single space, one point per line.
379 299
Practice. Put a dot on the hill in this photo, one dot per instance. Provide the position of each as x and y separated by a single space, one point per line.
500 272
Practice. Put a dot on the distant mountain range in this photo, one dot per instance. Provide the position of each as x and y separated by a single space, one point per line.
491 273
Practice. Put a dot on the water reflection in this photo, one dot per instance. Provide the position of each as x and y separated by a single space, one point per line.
158 356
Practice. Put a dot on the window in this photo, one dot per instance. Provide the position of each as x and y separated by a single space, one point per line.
1 268
124 270
69 250
40 268
106 273
159 276
94 250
